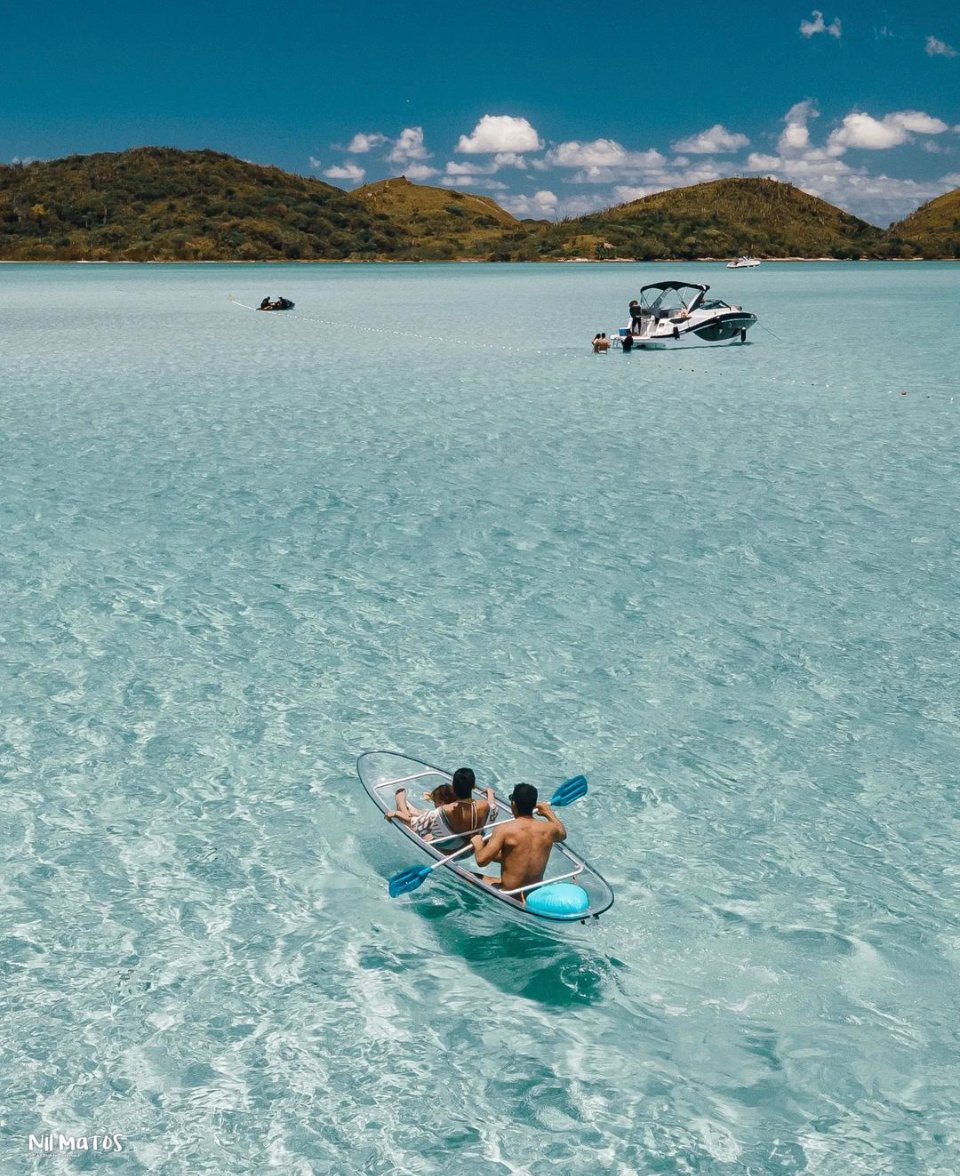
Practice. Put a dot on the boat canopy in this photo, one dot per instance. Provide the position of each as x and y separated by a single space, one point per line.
656 296
675 286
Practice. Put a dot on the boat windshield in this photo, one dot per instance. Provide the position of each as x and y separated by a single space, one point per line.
671 299
714 304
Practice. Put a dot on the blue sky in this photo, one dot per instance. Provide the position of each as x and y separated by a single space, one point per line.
552 109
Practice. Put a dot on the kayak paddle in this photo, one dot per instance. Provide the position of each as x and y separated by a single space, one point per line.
414 876
569 791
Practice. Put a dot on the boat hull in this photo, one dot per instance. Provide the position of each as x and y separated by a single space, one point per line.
382 772
721 330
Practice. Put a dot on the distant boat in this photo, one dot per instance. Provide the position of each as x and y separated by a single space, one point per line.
679 314
744 262
280 304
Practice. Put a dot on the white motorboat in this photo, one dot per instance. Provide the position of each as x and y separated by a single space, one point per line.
679 314
744 262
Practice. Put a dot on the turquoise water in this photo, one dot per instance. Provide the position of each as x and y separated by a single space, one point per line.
418 513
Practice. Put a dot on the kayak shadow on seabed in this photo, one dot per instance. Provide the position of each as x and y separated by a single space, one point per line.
521 961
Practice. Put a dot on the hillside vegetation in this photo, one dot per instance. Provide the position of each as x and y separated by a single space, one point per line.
719 219
440 224
932 231
156 203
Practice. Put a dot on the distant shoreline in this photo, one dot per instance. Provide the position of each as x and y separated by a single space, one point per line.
471 261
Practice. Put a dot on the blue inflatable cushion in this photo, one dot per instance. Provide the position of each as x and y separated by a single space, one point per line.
558 899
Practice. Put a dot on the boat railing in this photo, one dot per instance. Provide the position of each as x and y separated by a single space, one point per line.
407 779
468 832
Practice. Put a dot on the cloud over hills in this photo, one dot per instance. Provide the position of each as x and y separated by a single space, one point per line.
505 152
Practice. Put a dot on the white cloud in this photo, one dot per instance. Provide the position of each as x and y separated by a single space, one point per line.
509 159
795 135
866 132
604 161
937 48
502 159
346 171
315 164
500 132
599 153
809 28
816 165
545 205
466 169
882 199
716 139
420 171
409 146
820 170
361 143
626 195
474 183
920 123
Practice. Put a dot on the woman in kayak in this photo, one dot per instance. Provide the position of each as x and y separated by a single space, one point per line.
461 814
420 818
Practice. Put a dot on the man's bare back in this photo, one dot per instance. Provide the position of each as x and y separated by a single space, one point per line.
521 846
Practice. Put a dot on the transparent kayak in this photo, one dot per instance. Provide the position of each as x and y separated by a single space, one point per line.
383 772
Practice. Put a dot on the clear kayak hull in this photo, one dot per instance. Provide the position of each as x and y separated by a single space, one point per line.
383 772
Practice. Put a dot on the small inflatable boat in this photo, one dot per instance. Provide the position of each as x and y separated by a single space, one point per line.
280 304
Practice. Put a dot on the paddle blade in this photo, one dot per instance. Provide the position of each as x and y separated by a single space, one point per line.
569 791
406 880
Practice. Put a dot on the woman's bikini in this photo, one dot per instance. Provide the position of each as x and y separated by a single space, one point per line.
438 826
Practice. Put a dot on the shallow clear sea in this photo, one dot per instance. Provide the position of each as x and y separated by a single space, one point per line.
417 513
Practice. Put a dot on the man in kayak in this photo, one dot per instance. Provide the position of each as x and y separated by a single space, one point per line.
521 846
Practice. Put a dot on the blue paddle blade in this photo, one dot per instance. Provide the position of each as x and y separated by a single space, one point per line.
406 880
569 791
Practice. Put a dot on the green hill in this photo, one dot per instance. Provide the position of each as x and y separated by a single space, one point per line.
932 231
440 223
158 203
719 219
